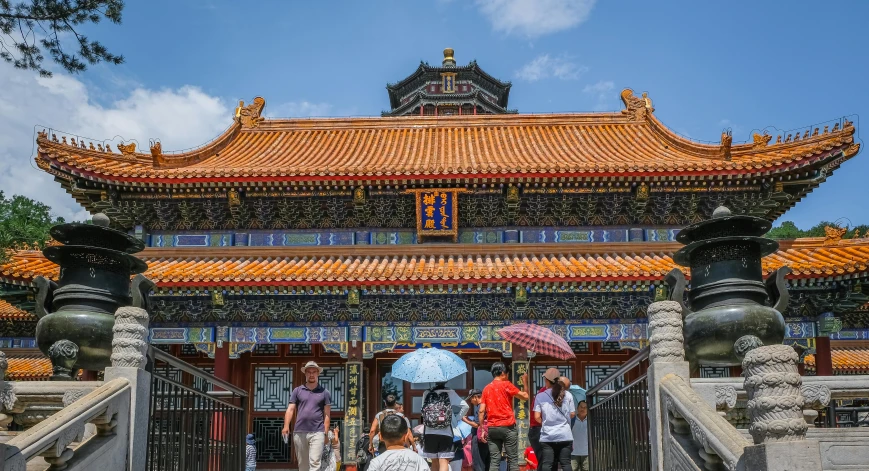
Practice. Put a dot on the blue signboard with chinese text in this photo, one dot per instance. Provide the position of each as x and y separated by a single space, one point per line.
436 211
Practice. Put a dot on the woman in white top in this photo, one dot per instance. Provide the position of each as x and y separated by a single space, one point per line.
553 408
442 409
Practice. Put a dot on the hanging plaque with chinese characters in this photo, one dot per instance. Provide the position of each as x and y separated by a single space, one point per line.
437 212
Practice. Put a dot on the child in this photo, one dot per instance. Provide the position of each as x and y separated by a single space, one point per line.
530 459
250 453
393 432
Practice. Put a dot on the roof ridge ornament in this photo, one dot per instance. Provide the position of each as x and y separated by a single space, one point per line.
251 115
726 144
636 108
156 148
127 149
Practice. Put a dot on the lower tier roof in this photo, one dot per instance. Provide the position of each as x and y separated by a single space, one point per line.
446 264
10 312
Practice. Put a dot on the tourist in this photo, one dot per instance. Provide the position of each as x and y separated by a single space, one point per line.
479 449
534 430
332 451
397 457
579 456
440 419
310 404
390 403
399 407
496 410
530 458
250 453
553 408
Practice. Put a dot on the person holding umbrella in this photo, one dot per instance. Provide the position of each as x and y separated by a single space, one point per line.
440 420
432 365
553 408
496 409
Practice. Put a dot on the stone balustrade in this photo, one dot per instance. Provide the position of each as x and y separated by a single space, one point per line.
696 427
107 407
62 411
817 391
688 428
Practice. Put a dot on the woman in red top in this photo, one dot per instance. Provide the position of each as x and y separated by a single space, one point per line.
497 408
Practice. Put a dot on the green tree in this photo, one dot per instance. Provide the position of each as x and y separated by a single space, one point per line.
787 230
23 221
29 27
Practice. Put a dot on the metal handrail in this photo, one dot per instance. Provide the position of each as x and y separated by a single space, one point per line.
627 366
616 393
188 368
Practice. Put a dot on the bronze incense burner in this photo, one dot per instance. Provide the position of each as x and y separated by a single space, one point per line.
76 314
730 308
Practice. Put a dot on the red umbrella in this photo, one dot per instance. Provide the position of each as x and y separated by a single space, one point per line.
538 339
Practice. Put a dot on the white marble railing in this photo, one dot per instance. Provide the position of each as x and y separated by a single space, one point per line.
59 439
698 428
818 391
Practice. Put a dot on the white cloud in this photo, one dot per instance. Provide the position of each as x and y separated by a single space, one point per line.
533 18
603 91
180 118
299 109
602 87
546 66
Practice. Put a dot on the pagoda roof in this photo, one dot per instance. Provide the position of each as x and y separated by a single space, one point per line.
398 89
457 264
631 144
422 97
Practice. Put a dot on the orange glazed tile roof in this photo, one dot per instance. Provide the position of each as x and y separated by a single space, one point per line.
30 367
445 264
846 360
628 143
10 312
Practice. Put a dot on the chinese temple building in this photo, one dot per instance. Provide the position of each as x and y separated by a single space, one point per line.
352 240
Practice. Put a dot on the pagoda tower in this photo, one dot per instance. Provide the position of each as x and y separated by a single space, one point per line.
448 90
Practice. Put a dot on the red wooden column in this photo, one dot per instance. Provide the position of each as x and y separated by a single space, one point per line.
218 424
823 356
221 362
827 324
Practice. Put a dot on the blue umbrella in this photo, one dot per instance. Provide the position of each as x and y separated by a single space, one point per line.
428 365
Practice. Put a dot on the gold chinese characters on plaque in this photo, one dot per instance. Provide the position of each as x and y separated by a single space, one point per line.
437 212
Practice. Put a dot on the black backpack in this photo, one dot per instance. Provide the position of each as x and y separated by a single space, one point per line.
437 410
363 456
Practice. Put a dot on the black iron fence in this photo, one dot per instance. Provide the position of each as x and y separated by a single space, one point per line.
618 431
197 422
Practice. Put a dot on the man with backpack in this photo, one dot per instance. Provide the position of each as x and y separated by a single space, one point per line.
375 446
439 421
496 409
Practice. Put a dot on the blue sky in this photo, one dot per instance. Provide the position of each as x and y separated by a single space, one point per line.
706 65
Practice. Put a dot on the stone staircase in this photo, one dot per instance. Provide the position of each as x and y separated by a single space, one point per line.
82 425
688 427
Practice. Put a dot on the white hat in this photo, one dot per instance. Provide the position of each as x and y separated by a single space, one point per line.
312 364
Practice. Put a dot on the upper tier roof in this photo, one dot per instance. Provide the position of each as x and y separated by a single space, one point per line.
631 143
459 264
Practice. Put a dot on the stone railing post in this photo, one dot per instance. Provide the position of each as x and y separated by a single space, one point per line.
129 355
666 356
7 394
775 408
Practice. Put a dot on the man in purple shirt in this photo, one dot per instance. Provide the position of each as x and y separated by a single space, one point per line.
311 404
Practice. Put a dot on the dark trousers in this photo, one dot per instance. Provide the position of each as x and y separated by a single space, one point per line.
556 452
506 438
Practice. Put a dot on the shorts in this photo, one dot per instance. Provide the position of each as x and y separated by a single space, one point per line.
438 446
